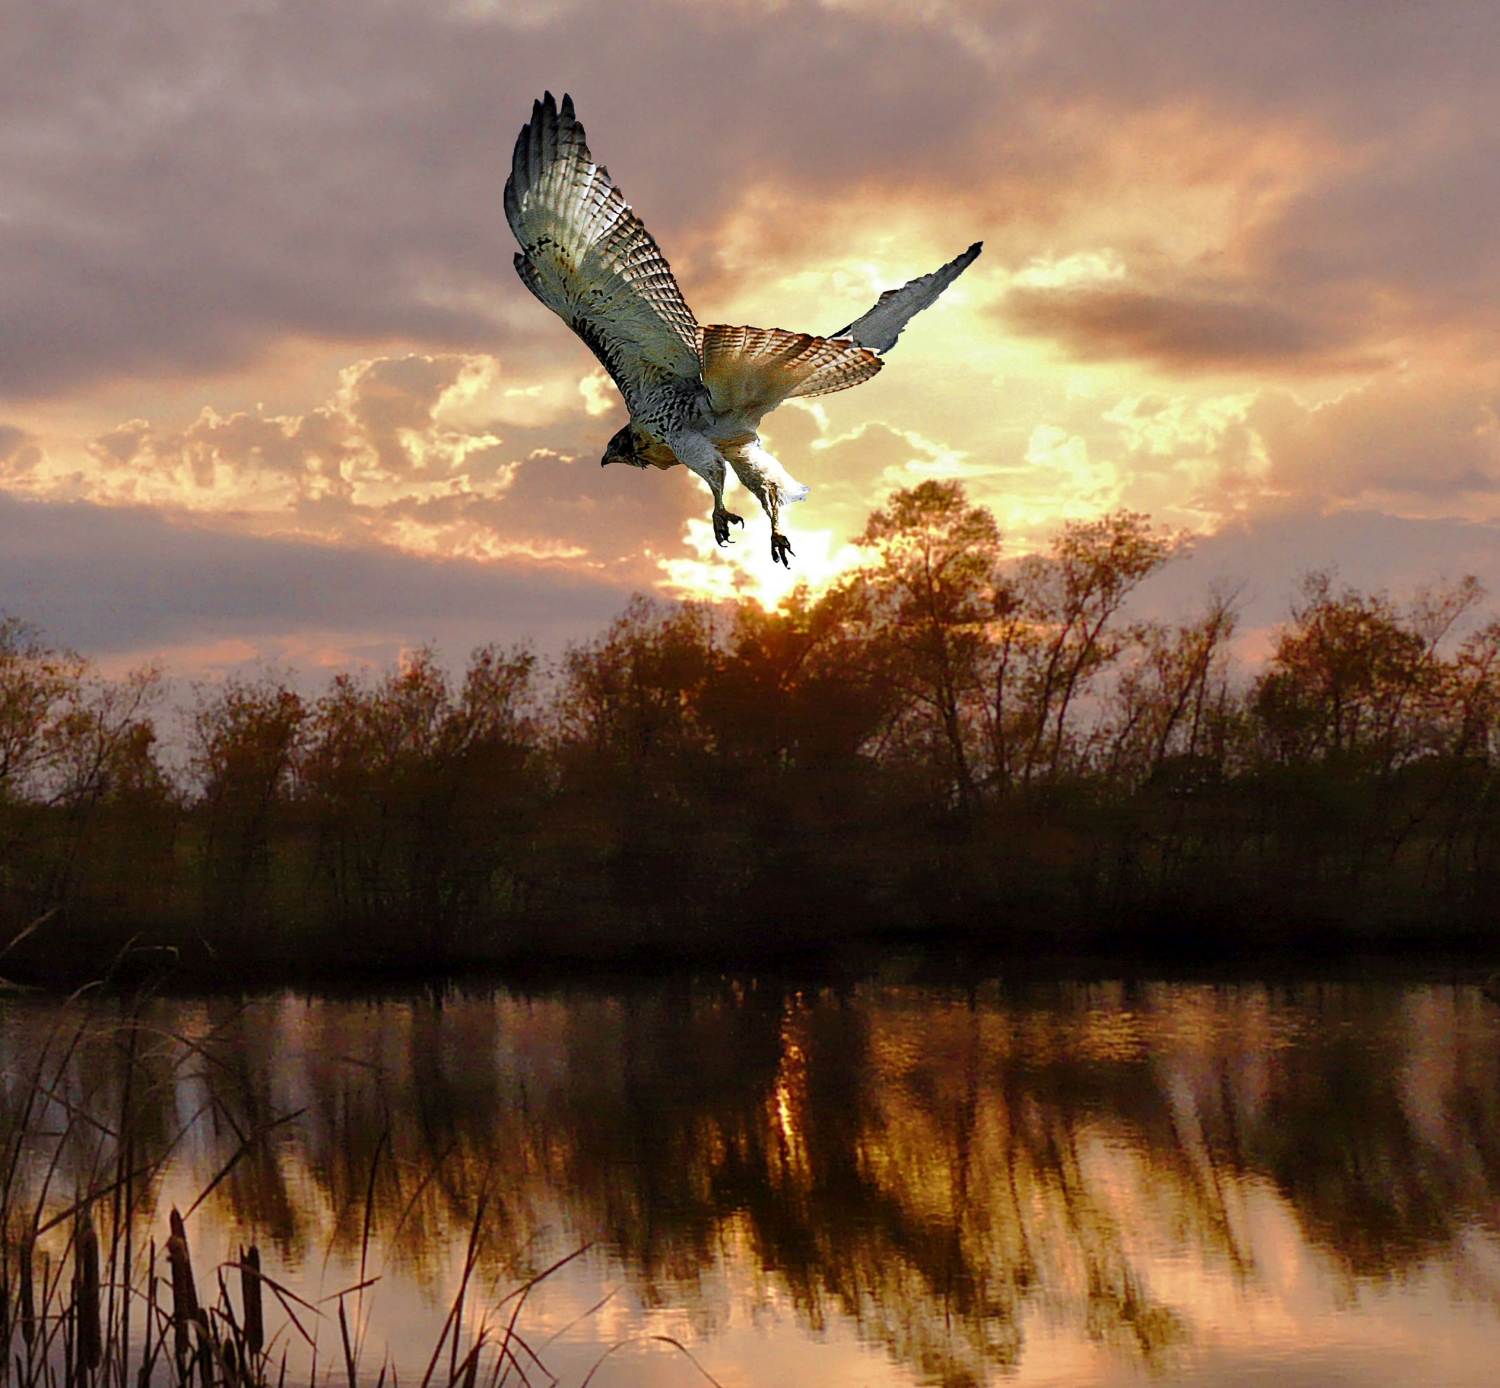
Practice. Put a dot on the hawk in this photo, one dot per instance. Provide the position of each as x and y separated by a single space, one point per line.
696 394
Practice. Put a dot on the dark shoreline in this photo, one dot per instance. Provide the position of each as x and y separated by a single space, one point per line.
924 958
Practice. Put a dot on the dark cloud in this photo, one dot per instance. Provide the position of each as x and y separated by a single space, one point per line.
1411 234
1178 330
106 580
1359 70
616 514
1378 218
187 183
111 581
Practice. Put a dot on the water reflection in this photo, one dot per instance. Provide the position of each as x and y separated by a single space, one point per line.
998 1182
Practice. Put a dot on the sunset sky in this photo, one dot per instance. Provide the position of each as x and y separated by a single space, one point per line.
270 389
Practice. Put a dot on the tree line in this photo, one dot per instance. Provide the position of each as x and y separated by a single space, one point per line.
944 744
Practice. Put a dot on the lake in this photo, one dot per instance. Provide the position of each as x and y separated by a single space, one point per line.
883 1182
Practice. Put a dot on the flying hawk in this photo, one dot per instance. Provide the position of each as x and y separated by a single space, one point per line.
696 394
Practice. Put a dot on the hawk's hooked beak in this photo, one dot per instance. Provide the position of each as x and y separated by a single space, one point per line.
620 449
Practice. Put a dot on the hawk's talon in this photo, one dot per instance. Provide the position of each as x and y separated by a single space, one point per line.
781 547
722 520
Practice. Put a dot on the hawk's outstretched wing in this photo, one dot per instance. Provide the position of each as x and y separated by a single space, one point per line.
881 326
587 256
749 371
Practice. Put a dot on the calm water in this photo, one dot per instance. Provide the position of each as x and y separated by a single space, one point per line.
883 1184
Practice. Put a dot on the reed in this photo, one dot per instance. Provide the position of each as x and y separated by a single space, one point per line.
216 1345
92 1295
187 1318
28 1297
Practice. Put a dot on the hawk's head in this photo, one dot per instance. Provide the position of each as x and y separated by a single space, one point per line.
627 446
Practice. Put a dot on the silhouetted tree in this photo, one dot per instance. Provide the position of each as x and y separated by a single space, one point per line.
419 793
73 749
930 598
36 683
944 741
637 826
243 743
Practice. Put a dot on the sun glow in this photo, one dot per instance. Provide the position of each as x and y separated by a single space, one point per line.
744 569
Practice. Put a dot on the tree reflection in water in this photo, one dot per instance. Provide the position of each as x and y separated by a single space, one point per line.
940 1167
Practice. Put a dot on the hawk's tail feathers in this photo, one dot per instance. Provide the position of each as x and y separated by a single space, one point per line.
881 326
749 371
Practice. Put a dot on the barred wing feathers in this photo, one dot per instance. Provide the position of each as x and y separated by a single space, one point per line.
588 257
749 371
881 326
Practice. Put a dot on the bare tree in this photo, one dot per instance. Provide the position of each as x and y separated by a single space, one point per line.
1056 632
1163 704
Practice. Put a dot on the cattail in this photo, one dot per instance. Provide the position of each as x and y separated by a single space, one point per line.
250 1294
229 1363
184 1293
86 1293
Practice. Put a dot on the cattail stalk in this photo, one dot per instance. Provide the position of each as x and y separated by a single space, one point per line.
88 1338
184 1294
250 1295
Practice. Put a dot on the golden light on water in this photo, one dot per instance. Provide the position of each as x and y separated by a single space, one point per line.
879 1183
